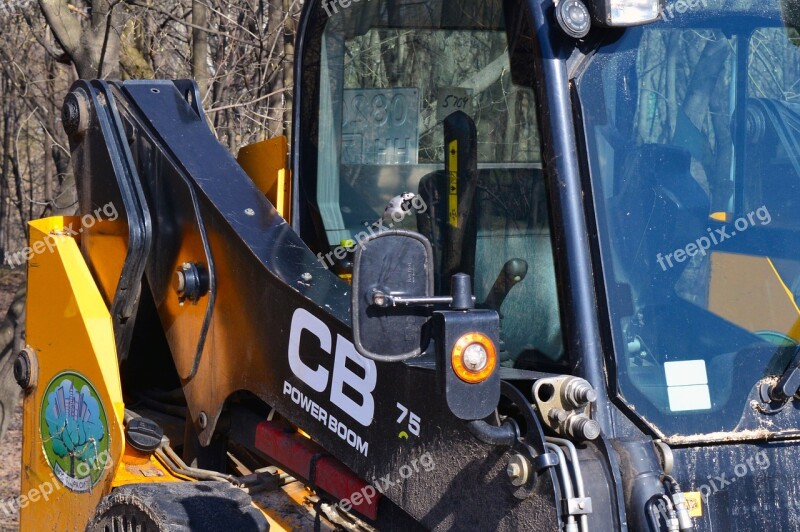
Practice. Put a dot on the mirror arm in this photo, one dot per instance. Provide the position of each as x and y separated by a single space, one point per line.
461 298
383 300
391 300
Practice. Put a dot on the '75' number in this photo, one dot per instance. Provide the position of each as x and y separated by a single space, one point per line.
413 419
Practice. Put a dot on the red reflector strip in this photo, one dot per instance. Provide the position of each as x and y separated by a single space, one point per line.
295 453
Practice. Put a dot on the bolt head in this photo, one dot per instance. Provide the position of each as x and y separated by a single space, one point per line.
518 470
592 430
590 396
558 415
514 471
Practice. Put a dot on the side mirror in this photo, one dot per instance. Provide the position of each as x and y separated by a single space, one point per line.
393 264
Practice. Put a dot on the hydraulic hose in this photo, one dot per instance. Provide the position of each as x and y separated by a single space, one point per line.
506 434
566 483
576 471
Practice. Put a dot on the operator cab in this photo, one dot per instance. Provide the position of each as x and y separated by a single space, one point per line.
379 81
695 179
690 183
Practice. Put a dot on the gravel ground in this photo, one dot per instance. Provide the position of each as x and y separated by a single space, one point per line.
12 442
9 470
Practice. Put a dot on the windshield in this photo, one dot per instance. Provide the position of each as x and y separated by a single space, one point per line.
693 137
389 74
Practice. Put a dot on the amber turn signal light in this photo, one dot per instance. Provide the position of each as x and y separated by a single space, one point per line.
474 357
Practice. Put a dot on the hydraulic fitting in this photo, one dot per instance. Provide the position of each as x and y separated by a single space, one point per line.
580 427
577 392
682 510
564 404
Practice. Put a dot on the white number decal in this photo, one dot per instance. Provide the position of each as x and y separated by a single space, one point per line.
413 419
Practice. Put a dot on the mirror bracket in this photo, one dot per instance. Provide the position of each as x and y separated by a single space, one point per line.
461 297
467 401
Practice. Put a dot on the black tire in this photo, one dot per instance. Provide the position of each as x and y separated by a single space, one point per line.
177 507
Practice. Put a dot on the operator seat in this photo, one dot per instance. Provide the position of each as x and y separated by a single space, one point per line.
660 209
509 220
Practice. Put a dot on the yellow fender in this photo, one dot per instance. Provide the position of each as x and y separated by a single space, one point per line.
73 412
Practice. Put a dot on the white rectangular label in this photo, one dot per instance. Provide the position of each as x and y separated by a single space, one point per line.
686 373
687 398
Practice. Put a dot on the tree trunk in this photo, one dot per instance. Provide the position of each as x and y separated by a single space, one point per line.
93 46
275 21
288 71
200 45
9 331
5 167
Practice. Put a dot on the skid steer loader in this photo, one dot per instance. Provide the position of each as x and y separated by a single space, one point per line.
530 265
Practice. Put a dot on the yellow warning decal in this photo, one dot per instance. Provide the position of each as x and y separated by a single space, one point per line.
694 502
453 184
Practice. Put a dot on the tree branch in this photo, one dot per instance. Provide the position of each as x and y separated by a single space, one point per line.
188 24
55 54
66 28
251 102
106 33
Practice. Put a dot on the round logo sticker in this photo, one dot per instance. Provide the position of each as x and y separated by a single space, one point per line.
74 431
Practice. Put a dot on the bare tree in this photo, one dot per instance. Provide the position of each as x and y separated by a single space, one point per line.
90 38
240 53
